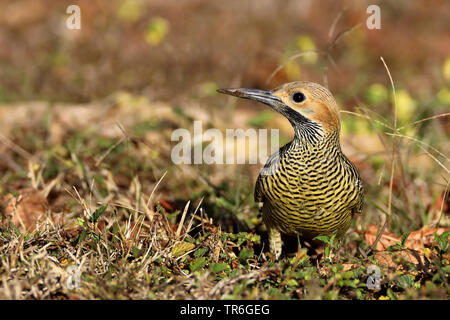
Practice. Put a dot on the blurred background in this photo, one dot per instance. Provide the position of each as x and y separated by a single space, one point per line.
100 103
165 50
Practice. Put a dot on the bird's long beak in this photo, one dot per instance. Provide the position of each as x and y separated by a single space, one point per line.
264 96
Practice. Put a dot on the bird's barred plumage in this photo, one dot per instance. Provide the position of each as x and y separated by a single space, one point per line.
308 187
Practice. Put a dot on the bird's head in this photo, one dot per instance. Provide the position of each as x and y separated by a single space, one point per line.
300 102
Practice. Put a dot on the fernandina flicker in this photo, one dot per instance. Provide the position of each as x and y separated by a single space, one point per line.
307 188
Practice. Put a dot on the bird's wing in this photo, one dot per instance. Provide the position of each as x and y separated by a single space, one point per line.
269 169
360 205
259 193
359 186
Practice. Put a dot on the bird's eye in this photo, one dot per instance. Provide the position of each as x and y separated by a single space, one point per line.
298 97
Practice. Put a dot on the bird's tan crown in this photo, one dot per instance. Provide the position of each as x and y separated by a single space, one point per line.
318 106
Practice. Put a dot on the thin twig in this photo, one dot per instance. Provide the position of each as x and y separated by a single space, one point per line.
391 181
442 205
366 117
100 160
377 238
150 212
426 119
335 21
183 216
358 103
291 58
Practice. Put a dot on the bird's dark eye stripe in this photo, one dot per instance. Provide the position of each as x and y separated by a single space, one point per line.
298 97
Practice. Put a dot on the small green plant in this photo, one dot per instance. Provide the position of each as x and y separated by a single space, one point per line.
399 245
330 244
198 264
97 213
442 242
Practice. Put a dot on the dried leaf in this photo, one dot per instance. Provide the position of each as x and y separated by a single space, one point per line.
416 240
166 205
423 238
395 260
25 208
181 248
386 240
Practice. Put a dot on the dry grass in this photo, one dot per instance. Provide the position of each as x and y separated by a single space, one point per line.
151 242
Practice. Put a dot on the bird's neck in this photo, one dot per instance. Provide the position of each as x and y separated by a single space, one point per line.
310 134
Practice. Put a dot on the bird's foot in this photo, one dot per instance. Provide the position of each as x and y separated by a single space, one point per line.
275 242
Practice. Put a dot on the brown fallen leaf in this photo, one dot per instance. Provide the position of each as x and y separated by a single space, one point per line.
70 232
420 239
386 240
350 266
26 208
395 260
235 264
416 240
166 205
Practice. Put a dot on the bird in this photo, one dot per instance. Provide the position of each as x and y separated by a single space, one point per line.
308 188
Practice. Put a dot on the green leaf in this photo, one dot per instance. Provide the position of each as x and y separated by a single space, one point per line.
327 251
137 252
391 294
244 236
198 264
219 267
82 236
245 254
292 283
200 252
97 213
349 283
14 193
16 230
299 274
404 237
405 281
332 238
81 222
325 239
394 247
182 248
348 274
446 269
442 240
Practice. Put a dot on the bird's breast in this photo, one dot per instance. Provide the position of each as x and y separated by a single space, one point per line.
310 193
